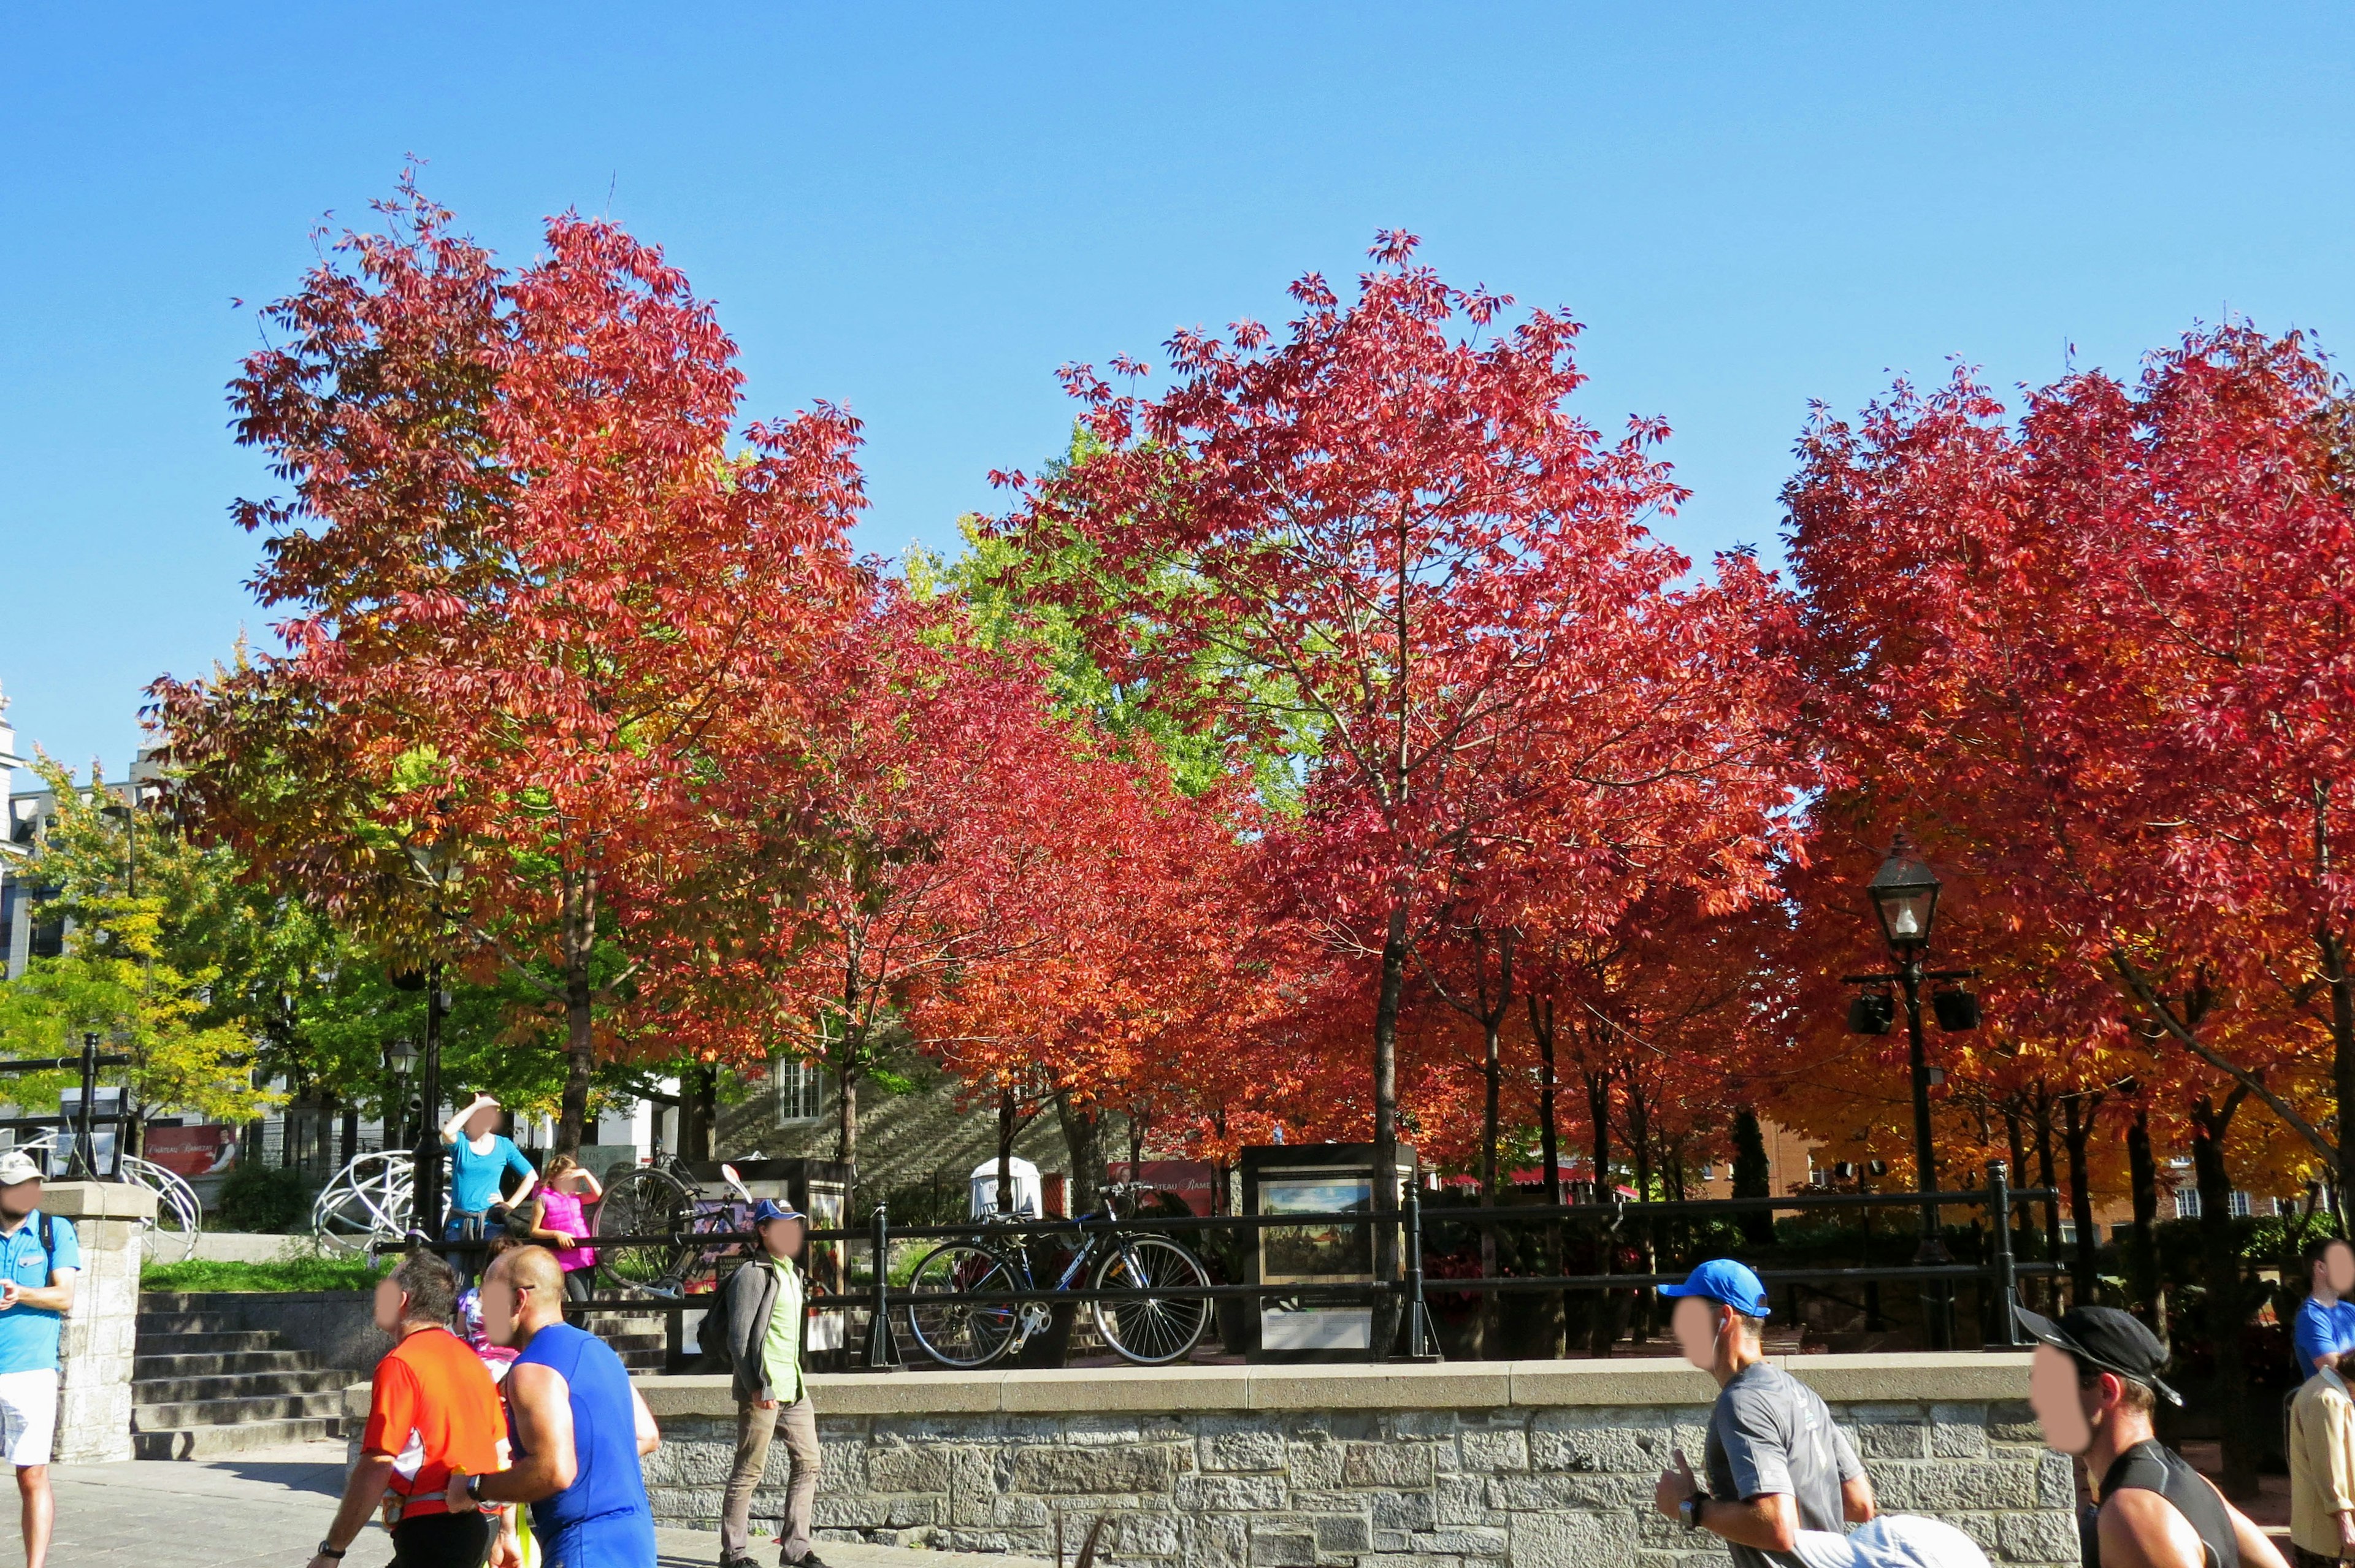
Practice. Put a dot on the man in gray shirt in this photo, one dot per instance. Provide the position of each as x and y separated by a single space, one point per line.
1775 1463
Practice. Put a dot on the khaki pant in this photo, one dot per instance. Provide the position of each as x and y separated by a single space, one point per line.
754 1427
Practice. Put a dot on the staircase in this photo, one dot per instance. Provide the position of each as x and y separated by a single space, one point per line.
202 1383
638 1338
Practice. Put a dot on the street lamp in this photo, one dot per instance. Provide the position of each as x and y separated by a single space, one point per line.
1905 894
400 1059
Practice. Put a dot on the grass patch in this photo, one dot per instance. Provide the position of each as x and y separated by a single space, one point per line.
285 1275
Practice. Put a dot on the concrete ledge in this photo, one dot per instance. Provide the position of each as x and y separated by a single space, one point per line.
98 1200
1922 1377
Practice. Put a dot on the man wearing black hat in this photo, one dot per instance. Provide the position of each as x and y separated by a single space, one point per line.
2093 1383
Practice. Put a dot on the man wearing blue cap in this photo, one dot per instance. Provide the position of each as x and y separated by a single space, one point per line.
763 1305
1775 1463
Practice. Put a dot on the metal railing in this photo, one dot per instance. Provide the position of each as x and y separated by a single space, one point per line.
1998 1274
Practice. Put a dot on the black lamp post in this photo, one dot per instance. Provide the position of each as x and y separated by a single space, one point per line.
438 868
1905 894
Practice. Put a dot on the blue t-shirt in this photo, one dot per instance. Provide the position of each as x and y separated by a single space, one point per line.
2320 1328
28 1335
475 1179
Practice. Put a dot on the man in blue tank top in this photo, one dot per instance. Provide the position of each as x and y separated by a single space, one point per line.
576 1427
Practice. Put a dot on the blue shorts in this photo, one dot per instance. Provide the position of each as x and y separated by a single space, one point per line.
614 1540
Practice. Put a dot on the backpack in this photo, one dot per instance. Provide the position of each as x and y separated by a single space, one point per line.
711 1336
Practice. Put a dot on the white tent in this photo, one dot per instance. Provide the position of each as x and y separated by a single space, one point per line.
1025 1176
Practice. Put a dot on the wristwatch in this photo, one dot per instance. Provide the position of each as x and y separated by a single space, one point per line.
473 1496
1689 1509
327 1551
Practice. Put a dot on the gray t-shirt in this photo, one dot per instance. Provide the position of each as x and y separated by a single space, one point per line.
1769 1433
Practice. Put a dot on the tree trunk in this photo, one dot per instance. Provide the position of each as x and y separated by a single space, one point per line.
1006 1127
2079 1111
1639 1145
2048 1178
1492 1304
845 1117
699 1096
1602 1327
2221 1258
2022 1231
1753 1177
1083 1137
2142 1254
1555 1305
351 1145
1385 1323
579 940
2342 1049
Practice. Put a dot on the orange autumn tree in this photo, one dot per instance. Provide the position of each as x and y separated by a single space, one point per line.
545 619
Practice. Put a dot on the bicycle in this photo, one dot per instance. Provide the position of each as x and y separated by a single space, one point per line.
1142 1327
666 1199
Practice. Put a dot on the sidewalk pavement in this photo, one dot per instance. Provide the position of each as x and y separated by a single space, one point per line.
271 1505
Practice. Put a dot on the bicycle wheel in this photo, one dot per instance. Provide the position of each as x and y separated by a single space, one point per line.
1146 1329
647 1203
963 1333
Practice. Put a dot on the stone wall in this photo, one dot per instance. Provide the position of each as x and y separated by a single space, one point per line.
102 1332
1529 1465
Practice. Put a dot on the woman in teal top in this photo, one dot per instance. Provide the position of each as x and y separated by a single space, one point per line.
480 1160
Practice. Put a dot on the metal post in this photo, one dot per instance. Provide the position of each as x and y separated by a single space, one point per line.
882 1349
1421 1344
2006 1273
425 1173
83 1162
1935 1300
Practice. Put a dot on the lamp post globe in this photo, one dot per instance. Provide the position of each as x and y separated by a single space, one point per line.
1905 894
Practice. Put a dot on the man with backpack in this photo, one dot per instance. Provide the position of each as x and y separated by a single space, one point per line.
40 1257
759 1333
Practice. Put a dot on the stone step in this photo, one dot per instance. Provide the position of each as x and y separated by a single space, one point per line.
180 1414
236 1386
157 1343
204 1442
219 1363
191 1323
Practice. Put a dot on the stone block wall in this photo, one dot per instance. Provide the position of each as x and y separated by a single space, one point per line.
102 1332
1386 1472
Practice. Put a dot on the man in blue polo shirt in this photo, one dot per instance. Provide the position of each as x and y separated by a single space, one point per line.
39 1258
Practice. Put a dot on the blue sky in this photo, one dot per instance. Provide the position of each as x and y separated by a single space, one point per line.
921 212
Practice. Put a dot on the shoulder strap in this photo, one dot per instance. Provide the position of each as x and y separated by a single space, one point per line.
48 1236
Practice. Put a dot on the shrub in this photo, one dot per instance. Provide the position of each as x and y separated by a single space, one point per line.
275 1198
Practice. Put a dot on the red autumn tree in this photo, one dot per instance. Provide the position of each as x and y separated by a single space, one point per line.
541 616
1384 538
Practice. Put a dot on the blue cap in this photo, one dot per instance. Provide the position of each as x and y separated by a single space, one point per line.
769 1208
1722 1279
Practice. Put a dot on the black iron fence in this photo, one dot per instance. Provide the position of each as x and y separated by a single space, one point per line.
1935 1276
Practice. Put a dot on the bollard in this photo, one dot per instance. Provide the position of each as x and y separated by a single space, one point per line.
1421 1344
882 1349
2006 1273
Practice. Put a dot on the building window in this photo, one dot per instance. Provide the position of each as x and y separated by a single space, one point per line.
801 1091
2241 1209
2187 1203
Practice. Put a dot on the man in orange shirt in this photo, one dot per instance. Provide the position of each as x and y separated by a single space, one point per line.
433 1409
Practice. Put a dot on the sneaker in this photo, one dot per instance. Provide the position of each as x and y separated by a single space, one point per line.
806 1559
739 1562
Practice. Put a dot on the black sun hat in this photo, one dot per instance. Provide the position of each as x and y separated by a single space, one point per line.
2105 1338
